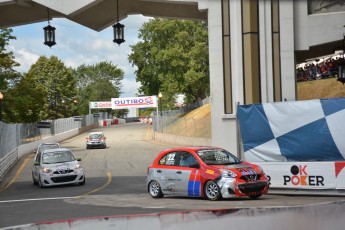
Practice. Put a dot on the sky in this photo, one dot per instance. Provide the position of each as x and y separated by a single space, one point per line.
77 45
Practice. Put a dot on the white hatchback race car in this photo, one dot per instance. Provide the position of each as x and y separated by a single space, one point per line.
96 140
57 167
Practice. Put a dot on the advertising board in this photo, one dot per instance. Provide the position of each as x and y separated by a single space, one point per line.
134 102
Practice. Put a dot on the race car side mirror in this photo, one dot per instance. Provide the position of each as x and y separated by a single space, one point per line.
194 165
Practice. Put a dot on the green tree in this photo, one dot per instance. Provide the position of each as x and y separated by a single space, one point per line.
7 62
58 83
99 82
172 58
25 102
8 75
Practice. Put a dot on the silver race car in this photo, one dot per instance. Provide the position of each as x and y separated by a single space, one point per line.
57 167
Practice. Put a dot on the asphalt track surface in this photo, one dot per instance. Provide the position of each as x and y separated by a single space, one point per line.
115 185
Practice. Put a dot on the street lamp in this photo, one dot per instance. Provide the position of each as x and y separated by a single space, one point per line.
118 28
160 95
49 34
1 97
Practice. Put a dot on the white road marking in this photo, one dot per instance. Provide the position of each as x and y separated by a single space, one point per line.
37 199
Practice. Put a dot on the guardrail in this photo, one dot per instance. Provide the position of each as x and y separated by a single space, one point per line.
7 162
19 139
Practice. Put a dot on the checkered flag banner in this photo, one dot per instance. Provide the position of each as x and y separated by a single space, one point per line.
312 130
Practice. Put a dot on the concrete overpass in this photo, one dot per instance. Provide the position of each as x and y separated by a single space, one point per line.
254 46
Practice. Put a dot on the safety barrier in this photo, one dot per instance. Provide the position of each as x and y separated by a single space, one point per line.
16 140
114 121
308 217
7 162
306 175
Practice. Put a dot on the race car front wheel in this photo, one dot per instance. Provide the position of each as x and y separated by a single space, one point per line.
155 189
255 196
33 178
40 182
212 191
82 182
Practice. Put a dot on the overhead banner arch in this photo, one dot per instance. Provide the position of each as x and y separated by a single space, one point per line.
134 102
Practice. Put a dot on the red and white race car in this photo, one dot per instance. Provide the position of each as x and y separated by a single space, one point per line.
208 172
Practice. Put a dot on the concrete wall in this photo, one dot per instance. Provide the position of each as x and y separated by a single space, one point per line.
311 217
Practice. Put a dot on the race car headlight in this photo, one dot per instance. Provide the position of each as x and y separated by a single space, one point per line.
77 166
227 173
261 169
46 170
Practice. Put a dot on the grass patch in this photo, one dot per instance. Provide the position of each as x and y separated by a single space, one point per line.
325 88
197 123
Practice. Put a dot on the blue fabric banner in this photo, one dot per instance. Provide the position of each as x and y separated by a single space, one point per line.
311 130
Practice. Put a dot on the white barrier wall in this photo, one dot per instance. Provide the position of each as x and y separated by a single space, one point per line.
114 121
310 217
305 175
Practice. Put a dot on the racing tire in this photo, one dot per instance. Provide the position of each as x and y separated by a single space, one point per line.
39 182
34 181
155 189
256 196
212 191
83 182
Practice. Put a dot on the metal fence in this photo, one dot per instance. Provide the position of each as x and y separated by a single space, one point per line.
183 126
14 135
171 122
195 105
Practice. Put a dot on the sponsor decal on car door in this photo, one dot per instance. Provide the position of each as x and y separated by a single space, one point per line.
188 182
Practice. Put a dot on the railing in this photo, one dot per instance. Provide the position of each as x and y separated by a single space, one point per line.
171 122
183 126
14 135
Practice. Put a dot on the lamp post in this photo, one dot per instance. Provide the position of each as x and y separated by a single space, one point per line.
1 97
160 95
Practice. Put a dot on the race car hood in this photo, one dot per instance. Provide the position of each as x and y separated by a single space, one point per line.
242 169
63 167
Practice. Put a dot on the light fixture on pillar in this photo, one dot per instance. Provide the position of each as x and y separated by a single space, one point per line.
118 28
341 65
160 95
1 97
49 34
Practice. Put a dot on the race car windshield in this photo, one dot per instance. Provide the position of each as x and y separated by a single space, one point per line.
95 136
217 157
57 157
48 146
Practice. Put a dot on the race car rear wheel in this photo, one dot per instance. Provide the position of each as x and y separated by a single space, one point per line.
212 191
155 189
